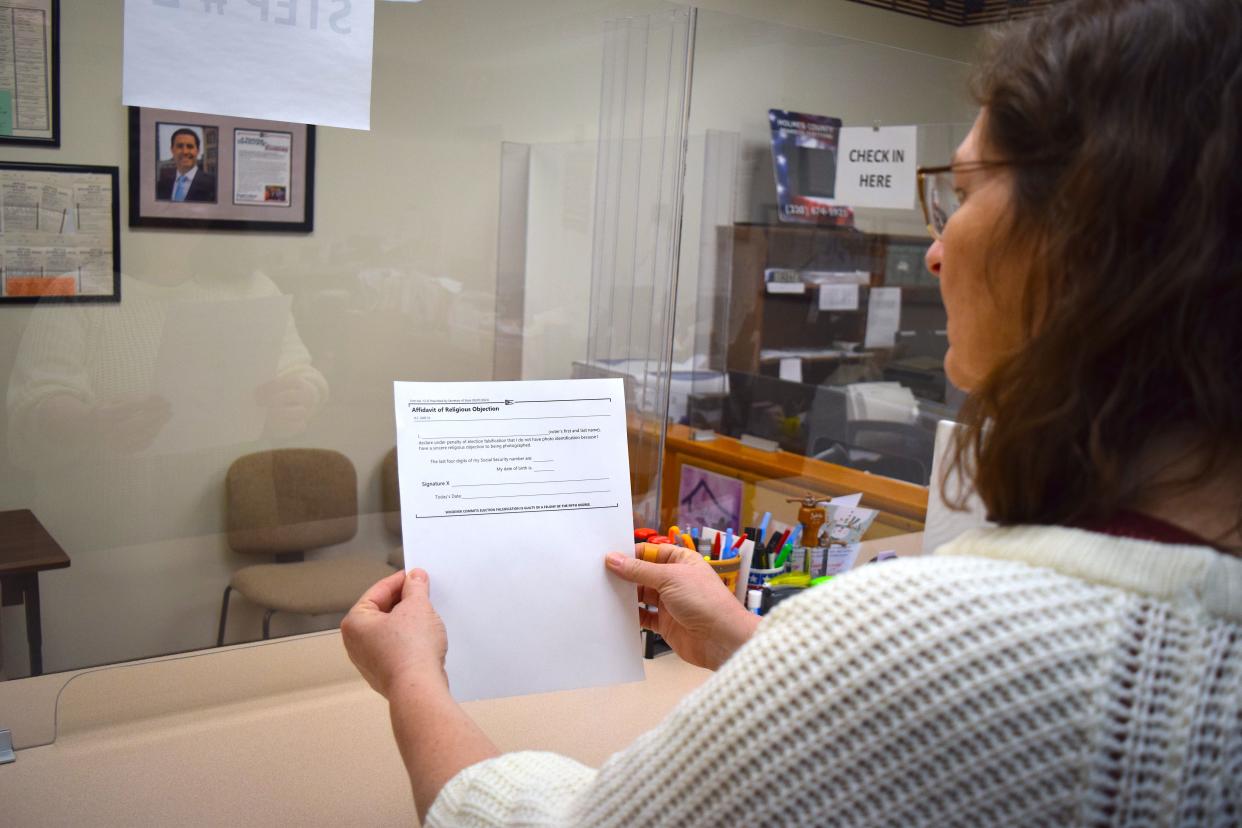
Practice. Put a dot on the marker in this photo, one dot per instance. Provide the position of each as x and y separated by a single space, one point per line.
784 556
737 546
728 543
763 527
716 547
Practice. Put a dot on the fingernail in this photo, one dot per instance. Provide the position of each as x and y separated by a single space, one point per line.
614 560
418 575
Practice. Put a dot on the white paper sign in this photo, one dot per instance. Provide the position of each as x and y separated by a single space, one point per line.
511 495
304 61
876 167
883 317
791 369
838 297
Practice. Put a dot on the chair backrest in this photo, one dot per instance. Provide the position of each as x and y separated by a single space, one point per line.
390 493
290 500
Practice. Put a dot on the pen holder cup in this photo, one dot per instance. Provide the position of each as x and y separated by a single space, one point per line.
728 569
758 577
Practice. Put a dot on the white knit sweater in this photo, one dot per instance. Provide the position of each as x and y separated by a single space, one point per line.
1021 676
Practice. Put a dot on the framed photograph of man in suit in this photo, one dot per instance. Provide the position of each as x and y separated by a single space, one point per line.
196 171
188 159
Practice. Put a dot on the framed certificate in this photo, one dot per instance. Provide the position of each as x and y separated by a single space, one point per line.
61 234
30 72
189 170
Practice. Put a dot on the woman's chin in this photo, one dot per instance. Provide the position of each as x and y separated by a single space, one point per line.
954 370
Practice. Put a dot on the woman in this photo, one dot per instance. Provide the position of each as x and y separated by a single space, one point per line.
1080 664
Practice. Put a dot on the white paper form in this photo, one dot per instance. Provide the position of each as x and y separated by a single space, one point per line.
511 495
304 61
883 317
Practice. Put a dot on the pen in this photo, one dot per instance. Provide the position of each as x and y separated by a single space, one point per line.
737 547
773 548
689 542
763 527
716 547
728 542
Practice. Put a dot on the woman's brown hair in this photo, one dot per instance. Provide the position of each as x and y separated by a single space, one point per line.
1122 123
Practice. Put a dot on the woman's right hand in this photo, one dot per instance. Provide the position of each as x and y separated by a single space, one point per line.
693 610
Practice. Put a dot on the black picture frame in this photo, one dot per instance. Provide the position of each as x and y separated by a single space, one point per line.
69 171
292 209
52 141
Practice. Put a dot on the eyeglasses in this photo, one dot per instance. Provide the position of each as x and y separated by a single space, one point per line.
939 197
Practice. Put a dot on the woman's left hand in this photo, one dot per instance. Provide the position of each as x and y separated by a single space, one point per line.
395 637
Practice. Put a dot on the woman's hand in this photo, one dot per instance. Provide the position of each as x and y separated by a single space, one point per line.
694 611
396 640
395 637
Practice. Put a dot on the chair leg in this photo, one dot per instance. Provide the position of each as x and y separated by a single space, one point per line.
267 624
224 616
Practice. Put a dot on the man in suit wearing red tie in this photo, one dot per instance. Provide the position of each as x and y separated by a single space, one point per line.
187 182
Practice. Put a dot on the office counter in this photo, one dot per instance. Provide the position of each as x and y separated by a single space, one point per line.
280 734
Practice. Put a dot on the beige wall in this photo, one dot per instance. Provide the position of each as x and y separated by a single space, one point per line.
396 282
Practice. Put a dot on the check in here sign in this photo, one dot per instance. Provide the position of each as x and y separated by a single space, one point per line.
875 167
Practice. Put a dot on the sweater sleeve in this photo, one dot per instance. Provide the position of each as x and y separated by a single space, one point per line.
526 788
927 691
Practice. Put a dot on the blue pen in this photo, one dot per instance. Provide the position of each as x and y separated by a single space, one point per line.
763 528
793 539
728 542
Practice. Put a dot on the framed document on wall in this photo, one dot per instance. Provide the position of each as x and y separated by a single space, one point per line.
61 236
30 72
194 171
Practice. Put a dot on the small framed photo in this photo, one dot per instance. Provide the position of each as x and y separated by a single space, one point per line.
30 72
193 171
60 240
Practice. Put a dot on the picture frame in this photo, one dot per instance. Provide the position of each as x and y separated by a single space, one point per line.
61 237
30 78
194 171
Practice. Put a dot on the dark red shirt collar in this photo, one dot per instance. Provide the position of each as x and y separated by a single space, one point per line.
1127 524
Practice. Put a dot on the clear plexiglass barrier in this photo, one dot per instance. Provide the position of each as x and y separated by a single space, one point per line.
549 189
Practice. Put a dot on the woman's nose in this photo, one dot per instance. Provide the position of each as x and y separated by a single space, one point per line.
933 257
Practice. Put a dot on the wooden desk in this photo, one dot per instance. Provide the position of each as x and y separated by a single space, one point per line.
26 549
902 506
